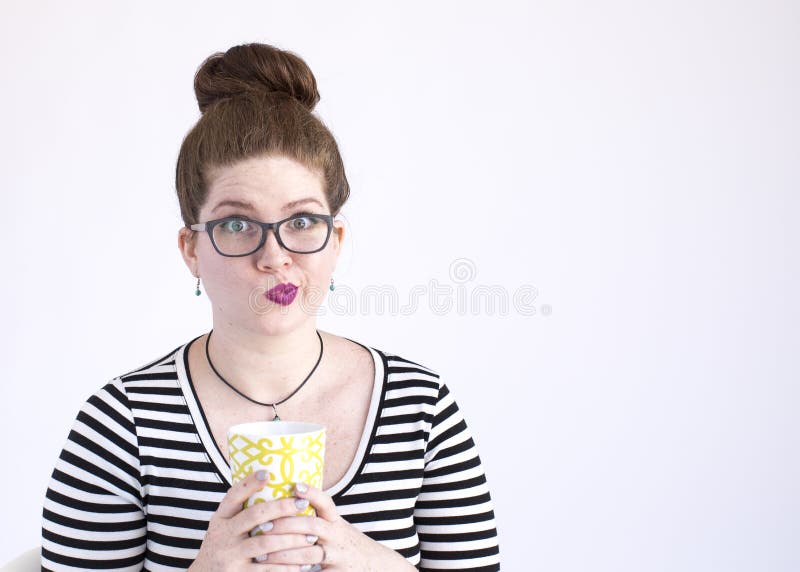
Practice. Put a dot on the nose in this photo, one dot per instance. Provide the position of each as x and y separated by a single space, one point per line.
272 254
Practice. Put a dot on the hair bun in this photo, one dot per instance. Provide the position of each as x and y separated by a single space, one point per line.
254 67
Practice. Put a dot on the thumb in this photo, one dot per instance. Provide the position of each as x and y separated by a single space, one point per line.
321 502
233 501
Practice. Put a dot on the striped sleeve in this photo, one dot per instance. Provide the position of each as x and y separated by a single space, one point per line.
93 517
453 514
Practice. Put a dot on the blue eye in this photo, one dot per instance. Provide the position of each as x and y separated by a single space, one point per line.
235 226
303 222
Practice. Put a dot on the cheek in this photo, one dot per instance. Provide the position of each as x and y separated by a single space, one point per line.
324 270
222 278
318 279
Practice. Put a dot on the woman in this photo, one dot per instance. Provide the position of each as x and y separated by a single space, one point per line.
144 481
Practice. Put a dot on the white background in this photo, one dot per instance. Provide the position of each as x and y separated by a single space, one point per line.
634 162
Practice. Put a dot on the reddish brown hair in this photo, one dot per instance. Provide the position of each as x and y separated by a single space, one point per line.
255 100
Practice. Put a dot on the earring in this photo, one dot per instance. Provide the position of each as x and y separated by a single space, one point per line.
197 288
332 287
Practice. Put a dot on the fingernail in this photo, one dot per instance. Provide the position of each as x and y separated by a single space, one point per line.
261 475
301 488
301 504
261 558
316 568
261 528
305 568
265 526
311 538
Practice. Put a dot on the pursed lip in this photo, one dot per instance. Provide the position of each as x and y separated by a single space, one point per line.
283 293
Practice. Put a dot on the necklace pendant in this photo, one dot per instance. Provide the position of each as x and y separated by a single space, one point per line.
275 411
276 418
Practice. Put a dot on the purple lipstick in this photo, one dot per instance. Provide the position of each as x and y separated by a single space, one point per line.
282 294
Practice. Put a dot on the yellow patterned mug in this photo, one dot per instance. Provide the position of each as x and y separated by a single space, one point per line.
290 452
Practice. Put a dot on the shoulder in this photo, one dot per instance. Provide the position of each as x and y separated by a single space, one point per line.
408 381
146 393
153 368
395 364
402 371
404 378
158 372
398 372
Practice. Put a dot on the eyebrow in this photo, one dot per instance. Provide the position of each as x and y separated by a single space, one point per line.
246 205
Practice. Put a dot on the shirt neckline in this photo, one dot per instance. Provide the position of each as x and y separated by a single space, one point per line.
210 445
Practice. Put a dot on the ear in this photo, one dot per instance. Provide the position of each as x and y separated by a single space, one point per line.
187 244
337 235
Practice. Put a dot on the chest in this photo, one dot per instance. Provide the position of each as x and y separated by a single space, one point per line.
340 401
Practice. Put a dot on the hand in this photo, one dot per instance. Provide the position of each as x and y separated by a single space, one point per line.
339 545
228 546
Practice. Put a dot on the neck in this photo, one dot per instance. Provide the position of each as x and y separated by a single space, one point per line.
266 368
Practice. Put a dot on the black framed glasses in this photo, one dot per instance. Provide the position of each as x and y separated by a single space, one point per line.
241 236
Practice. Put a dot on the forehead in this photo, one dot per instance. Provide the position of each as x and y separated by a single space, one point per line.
267 185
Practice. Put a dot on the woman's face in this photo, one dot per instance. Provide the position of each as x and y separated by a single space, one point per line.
266 189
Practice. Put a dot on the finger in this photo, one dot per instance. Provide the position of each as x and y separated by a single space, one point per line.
234 499
265 566
264 512
312 526
307 556
319 500
269 543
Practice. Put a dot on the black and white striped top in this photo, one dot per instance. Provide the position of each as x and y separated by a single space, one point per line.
140 475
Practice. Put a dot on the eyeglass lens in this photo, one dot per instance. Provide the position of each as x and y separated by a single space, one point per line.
305 233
